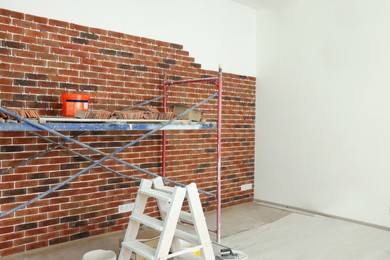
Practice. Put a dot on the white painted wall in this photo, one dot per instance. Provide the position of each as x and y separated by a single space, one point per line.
323 106
213 31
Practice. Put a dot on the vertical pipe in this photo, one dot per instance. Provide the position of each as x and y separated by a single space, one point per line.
164 134
219 153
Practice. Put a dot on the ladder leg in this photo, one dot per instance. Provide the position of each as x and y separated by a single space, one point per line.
133 226
170 223
163 207
200 221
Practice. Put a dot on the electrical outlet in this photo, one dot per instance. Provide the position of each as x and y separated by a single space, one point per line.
126 207
246 187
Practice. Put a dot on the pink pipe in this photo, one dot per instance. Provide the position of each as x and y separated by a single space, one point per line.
175 82
164 134
219 154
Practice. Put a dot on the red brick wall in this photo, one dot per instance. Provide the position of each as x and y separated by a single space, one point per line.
40 59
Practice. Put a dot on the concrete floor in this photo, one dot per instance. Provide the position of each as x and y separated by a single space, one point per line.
306 237
263 233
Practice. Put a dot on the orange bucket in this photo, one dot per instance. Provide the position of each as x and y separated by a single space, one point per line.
73 102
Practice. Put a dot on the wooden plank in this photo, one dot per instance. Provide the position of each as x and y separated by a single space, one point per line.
107 126
44 120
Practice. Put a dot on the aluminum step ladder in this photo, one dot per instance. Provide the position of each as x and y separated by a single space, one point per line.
170 245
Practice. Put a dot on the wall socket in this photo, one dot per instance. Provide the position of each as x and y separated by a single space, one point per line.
246 186
126 207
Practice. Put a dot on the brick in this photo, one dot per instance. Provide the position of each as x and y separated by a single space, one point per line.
13 250
38 175
126 54
69 219
150 165
24 39
163 65
115 216
108 52
12 29
197 171
22 24
13 177
14 192
51 208
88 35
78 224
26 226
58 240
13 14
7 200
176 46
11 236
58 23
36 19
176 78
6 244
17 45
80 235
4 50
89 88
38 189
140 68
195 65
124 66
79 40
5 230
25 82
36 76
10 148
69 86
5 20
107 224
24 97
169 61
49 222
106 187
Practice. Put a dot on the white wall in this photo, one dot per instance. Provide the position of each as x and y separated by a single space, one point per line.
323 106
213 31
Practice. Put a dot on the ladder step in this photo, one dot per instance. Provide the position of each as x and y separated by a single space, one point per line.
156 194
140 248
184 215
183 235
148 221
165 188
186 252
188 256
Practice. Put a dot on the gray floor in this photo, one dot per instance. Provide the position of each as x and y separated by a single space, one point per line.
263 233
298 236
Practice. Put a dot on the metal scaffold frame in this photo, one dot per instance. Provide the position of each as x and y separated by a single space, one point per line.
54 128
218 83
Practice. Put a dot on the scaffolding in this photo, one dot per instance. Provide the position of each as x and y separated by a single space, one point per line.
55 129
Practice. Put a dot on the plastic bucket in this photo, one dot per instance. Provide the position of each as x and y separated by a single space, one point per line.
73 102
100 255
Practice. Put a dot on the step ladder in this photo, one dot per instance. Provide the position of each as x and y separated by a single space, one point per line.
170 245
